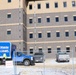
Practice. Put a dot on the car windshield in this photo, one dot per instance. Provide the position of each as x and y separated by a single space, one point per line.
62 53
38 54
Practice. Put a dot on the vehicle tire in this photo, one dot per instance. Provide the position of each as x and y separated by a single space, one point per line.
68 61
26 62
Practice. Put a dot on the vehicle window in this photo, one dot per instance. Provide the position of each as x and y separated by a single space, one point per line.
19 54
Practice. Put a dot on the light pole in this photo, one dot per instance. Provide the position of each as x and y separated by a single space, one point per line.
35 24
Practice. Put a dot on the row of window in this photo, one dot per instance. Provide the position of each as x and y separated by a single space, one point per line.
55 5
48 20
49 34
49 50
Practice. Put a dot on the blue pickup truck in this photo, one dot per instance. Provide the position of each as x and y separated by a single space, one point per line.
10 53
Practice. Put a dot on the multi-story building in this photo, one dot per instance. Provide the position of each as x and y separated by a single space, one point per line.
13 23
39 25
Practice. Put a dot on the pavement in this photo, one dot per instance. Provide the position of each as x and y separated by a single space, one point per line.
49 67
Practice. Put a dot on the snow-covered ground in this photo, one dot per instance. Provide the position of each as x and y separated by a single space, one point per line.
49 67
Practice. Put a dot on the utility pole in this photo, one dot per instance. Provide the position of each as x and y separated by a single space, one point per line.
35 24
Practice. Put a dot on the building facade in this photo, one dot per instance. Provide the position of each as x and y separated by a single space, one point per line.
12 23
47 26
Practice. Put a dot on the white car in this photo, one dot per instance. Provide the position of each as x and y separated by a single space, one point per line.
62 56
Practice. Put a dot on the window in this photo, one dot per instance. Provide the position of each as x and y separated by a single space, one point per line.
48 19
64 4
73 3
75 48
39 20
8 15
39 6
65 19
31 35
48 34
39 35
56 5
67 49
30 6
40 50
57 19
49 50
9 0
47 5
8 32
74 18
67 34
31 51
58 49
30 21
74 33
57 34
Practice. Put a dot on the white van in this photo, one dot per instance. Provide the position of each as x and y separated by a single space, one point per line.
62 56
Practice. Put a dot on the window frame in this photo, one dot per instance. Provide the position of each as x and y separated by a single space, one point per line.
67 48
31 35
65 18
30 6
67 33
64 4
39 20
39 35
8 32
57 34
39 6
9 15
47 6
30 20
9 1
56 4
56 19
74 18
49 50
31 50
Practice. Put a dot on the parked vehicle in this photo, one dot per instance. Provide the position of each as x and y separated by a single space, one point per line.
62 56
10 53
39 57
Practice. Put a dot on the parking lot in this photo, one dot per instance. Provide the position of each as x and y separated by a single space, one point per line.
50 66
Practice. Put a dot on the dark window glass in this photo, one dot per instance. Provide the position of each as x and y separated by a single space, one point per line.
9 0
39 20
74 33
40 50
30 21
47 5
39 35
75 49
57 19
67 49
48 19
65 4
58 50
73 3
30 35
49 50
65 19
48 34
67 34
31 51
57 34
8 32
56 5
30 7
39 6
9 16
74 18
